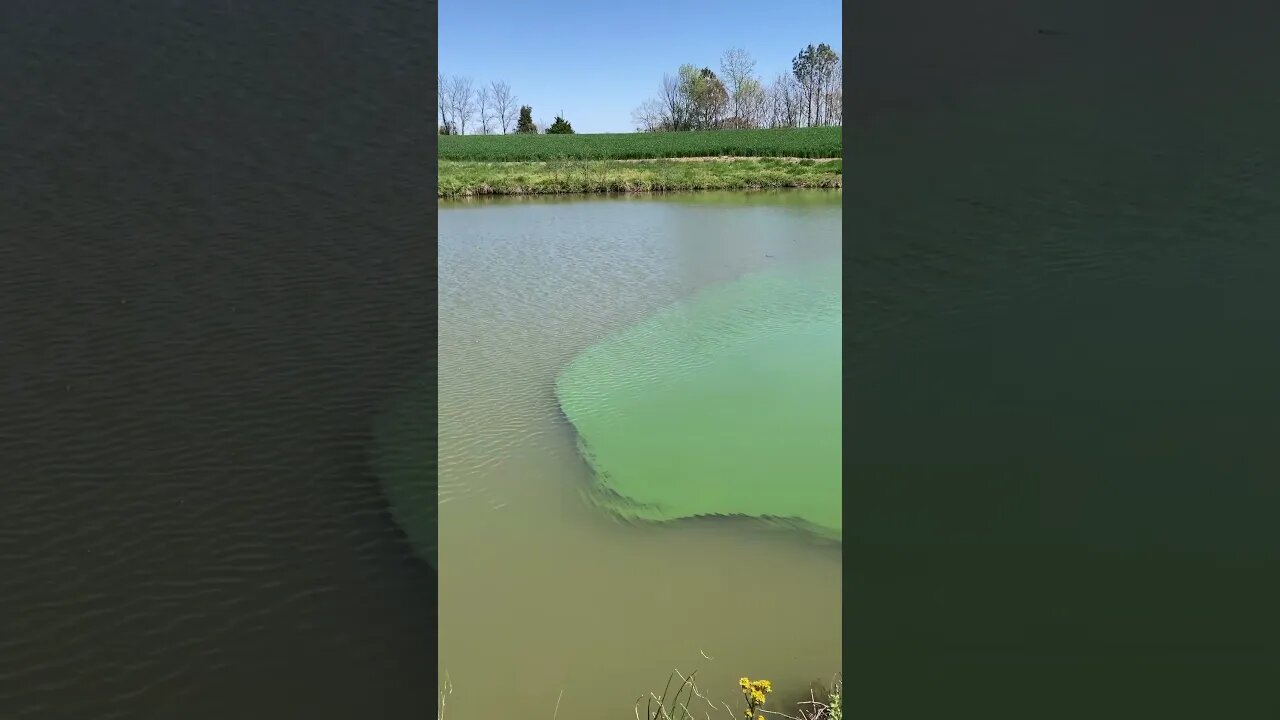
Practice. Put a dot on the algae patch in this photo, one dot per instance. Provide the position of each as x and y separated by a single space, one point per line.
725 404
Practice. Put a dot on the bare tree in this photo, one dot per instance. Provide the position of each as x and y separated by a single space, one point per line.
785 102
446 100
461 101
737 69
772 105
835 94
504 105
442 101
650 116
484 108
828 78
794 102
674 102
465 102
752 101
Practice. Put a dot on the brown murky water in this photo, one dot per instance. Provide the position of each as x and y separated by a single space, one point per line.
541 591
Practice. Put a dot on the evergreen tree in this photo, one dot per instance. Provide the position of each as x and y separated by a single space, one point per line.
560 127
525 123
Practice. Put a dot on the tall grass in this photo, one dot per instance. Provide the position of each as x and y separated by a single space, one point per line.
658 707
821 142
560 175
824 703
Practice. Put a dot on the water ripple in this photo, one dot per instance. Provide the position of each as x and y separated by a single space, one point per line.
192 354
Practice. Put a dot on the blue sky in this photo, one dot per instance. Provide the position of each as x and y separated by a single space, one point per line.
598 59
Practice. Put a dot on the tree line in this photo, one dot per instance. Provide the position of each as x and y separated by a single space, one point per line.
699 99
692 99
486 109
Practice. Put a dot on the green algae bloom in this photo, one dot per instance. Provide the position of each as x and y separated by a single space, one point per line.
725 404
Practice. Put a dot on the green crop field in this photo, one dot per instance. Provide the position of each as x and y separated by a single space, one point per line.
821 142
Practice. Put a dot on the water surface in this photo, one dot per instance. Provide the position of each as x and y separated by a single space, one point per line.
206 300
543 589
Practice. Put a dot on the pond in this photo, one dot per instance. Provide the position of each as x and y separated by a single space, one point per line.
693 343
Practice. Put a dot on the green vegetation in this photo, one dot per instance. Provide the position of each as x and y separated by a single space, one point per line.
817 142
524 125
833 703
461 179
699 114
699 99
560 127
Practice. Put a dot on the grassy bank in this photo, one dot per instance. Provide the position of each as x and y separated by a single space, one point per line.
820 142
463 179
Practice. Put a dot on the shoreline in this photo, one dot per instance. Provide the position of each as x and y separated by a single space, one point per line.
461 179
694 159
